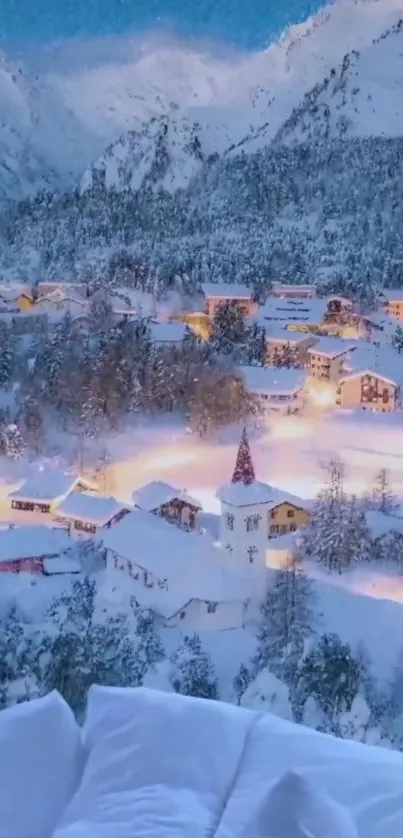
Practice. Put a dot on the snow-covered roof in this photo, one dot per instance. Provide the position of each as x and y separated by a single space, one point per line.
157 493
381 524
239 495
332 347
307 311
273 380
187 560
10 293
49 486
222 291
168 332
61 564
89 507
276 334
279 287
393 295
27 542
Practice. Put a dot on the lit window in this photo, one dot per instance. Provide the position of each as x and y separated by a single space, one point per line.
290 513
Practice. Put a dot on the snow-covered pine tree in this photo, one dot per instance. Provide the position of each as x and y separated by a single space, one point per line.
383 497
227 329
288 618
397 339
192 670
358 544
331 675
241 681
81 648
149 651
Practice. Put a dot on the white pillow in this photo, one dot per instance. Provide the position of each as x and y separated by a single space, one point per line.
296 808
158 765
41 762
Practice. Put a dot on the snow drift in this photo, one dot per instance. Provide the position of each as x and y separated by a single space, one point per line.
155 764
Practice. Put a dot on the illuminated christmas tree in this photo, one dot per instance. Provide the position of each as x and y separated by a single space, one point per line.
244 471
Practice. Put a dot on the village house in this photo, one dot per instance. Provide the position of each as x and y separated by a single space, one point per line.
60 290
169 334
178 575
393 302
327 358
276 390
162 499
368 389
89 513
287 513
216 295
15 297
286 348
294 315
32 549
44 492
294 292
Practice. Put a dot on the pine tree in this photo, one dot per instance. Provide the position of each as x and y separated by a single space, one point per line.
244 471
81 649
397 339
227 329
382 496
192 670
288 618
331 675
241 681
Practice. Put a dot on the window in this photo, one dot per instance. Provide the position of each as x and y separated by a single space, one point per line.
252 552
283 529
228 547
385 395
252 522
290 513
229 520
274 529
182 615
211 607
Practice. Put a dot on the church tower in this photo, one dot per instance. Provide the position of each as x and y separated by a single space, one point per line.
245 504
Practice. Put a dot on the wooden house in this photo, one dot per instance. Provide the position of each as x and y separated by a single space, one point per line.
88 513
175 505
25 549
46 490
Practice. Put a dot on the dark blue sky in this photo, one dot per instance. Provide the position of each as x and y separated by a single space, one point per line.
245 23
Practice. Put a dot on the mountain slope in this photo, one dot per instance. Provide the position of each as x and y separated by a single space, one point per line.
362 97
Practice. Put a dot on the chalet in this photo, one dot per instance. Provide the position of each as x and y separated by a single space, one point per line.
175 505
277 390
177 575
46 490
26 549
287 348
338 307
368 389
216 295
294 292
89 513
169 334
327 358
77 290
15 297
393 302
294 315
286 513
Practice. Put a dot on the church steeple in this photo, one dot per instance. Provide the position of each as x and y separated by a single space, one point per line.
244 471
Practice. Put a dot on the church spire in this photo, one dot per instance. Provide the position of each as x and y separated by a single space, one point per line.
244 471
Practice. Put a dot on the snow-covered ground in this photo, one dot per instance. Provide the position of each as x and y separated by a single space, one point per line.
364 604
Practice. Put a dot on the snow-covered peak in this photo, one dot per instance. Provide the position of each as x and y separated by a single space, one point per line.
167 152
360 98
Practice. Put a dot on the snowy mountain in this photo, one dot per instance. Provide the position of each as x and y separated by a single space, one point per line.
360 98
281 94
165 152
